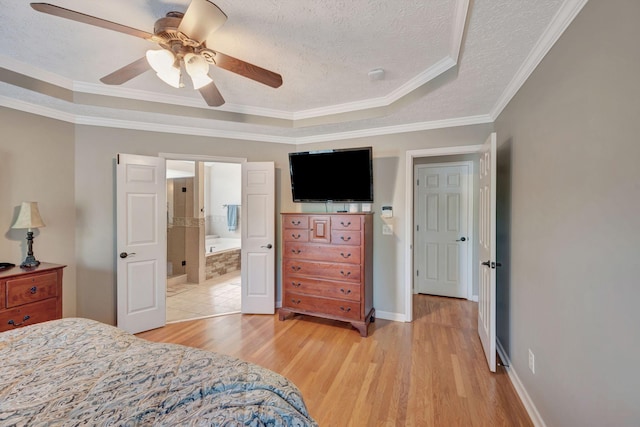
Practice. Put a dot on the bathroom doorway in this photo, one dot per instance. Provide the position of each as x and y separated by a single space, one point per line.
203 239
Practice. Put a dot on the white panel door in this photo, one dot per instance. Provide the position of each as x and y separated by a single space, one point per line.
258 238
141 199
441 217
487 251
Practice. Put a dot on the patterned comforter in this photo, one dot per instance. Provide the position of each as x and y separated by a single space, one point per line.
78 371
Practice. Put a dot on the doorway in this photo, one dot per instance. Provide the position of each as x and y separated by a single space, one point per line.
443 203
432 155
203 239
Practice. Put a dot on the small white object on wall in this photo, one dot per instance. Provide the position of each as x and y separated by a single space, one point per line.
387 212
366 207
354 207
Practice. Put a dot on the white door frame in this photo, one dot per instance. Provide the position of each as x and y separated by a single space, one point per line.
466 266
409 187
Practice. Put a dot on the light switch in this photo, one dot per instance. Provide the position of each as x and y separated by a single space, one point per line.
387 229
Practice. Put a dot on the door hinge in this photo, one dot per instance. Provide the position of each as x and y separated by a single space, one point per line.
418 227
418 182
117 159
417 273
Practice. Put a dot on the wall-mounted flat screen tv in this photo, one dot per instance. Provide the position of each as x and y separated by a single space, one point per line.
340 175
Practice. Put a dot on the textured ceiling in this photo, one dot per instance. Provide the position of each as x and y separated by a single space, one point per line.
446 62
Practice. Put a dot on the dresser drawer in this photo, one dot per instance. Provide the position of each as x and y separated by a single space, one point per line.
295 235
310 251
296 222
322 270
322 288
331 307
24 290
345 222
29 314
345 238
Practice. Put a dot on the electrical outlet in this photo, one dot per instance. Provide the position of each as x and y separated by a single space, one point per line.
532 362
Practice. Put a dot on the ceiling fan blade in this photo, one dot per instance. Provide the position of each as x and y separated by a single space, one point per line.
211 95
248 70
201 18
127 72
88 19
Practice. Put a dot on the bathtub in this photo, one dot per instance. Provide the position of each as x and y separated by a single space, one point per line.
222 256
215 244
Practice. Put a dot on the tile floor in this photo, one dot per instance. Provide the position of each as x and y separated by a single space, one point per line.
220 295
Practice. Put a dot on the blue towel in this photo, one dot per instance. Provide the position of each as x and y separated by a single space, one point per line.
232 217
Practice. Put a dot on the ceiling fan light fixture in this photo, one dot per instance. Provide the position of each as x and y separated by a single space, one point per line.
198 70
163 63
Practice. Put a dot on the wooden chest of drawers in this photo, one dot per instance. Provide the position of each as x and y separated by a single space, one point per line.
30 296
327 267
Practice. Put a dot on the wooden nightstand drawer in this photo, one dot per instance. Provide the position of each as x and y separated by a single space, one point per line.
29 314
29 289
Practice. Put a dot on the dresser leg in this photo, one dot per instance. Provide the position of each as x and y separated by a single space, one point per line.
283 313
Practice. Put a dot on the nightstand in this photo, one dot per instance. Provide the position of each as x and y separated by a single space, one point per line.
29 296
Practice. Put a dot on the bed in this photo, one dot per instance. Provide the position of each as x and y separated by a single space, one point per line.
78 371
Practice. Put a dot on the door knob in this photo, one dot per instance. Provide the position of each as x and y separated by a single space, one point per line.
124 254
269 246
462 239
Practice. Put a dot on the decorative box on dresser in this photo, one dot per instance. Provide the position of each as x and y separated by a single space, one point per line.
327 267
30 296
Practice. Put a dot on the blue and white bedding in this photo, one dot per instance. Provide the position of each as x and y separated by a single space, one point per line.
78 371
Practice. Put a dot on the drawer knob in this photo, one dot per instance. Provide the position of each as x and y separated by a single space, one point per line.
297 285
346 292
296 267
296 251
347 274
346 310
295 301
345 225
345 256
34 289
345 239
294 222
295 236
15 325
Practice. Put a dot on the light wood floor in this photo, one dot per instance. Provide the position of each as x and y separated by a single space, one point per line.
431 372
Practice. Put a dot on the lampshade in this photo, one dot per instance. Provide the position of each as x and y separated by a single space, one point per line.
163 63
198 70
29 216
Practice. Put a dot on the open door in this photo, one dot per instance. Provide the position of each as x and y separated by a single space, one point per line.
487 251
141 202
258 238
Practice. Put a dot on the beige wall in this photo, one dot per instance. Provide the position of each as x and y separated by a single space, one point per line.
569 164
36 164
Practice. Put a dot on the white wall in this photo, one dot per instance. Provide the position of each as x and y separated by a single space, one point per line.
223 187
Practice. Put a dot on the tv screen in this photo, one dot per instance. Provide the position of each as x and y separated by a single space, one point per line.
340 175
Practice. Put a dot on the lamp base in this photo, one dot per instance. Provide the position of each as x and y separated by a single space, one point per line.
30 262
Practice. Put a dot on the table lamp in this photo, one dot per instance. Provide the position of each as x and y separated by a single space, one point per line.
29 218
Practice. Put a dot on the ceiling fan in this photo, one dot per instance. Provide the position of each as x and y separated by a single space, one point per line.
182 37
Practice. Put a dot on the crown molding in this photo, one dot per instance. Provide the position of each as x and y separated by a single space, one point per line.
459 23
388 130
28 107
550 36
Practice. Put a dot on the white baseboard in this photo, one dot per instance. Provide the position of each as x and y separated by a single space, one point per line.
474 298
279 304
387 315
535 416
